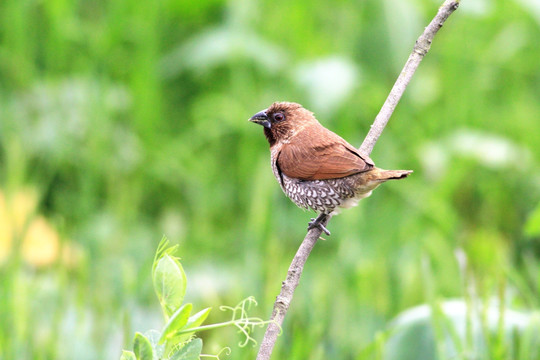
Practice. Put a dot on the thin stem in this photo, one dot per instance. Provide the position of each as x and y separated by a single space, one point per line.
284 298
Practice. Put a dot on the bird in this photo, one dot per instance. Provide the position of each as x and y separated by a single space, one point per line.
316 168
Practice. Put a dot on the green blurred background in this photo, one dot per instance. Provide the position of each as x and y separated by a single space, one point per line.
124 120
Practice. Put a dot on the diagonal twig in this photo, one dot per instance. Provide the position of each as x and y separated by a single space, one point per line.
421 47
284 298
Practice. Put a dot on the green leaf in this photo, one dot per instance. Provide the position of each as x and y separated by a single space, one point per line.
193 322
153 336
177 321
161 251
142 347
191 351
198 318
127 355
169 283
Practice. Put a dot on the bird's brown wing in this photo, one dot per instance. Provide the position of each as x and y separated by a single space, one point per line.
320 156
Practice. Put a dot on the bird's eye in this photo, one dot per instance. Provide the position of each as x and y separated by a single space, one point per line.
279 117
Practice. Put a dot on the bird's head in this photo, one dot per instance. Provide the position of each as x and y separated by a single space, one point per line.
282 120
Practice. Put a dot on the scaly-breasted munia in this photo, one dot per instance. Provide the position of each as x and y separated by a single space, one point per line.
316 168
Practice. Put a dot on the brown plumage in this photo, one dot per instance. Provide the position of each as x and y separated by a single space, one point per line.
316 168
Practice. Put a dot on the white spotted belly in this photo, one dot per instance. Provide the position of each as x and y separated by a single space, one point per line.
323 196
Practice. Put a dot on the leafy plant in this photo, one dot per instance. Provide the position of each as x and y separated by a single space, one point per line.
177 341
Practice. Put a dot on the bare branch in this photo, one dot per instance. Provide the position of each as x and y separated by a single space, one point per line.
421 47
284 298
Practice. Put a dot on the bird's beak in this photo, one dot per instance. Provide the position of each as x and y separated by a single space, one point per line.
262 119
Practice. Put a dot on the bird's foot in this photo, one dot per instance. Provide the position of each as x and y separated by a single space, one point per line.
318 223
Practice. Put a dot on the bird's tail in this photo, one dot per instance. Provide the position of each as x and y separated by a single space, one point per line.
367 181
385 175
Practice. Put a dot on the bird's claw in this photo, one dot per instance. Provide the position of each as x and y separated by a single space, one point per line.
317 223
